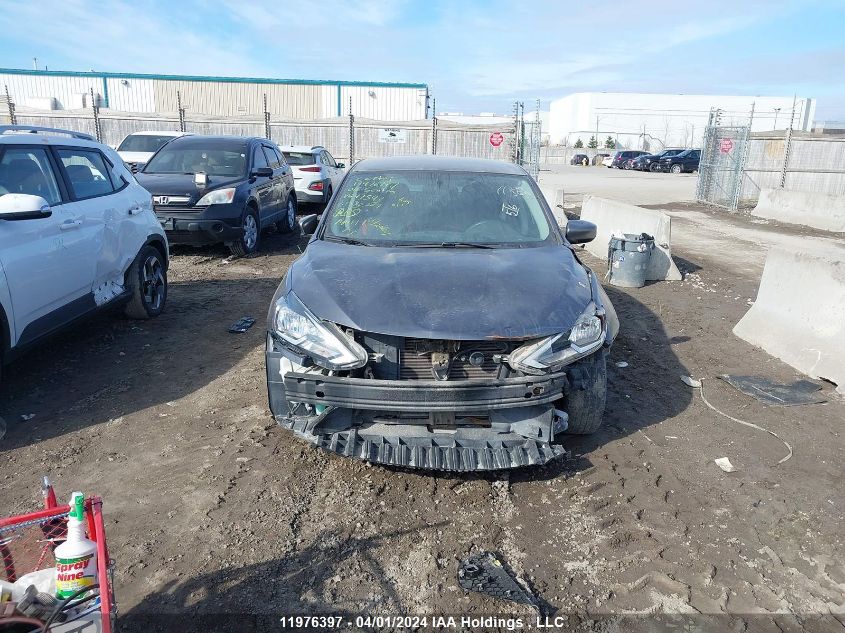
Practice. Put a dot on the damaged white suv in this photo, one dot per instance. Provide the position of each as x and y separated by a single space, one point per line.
77 235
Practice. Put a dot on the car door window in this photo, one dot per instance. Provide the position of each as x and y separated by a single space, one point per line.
282 159
332 162
270 156
88 173
259 159
28 170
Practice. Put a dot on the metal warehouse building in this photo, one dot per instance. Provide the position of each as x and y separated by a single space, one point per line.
219 96
653 121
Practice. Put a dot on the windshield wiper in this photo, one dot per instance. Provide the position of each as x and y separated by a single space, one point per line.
346 240
452 245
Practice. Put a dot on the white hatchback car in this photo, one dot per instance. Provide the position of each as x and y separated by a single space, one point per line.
77 234
137 148
316 174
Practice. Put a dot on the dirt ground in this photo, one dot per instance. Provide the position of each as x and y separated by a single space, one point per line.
215 512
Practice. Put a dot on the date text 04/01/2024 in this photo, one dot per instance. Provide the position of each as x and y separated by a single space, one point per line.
324 622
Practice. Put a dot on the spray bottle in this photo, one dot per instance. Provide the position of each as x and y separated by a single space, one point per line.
76 558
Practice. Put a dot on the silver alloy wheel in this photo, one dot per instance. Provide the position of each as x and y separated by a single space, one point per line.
676 169
152 282
250 228
291 214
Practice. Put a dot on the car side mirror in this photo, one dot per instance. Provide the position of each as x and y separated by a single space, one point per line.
340 165
308 224
580 231
262 172
22 206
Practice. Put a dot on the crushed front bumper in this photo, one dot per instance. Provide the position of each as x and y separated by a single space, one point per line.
439 425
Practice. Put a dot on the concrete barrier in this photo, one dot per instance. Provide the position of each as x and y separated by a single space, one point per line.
819 210
612 217
799 315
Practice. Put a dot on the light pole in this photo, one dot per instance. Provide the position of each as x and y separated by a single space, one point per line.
777 111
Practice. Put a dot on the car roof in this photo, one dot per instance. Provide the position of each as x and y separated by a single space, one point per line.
199 140
159 133
28 138
303 149
439 163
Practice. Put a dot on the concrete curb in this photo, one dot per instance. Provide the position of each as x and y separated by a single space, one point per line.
611 216
799 315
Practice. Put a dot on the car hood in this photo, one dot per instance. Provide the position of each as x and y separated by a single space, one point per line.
135 157
181 184
453 294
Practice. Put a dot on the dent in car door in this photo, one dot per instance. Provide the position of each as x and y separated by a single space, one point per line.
127 214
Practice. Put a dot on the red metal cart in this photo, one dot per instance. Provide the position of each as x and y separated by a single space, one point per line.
27 542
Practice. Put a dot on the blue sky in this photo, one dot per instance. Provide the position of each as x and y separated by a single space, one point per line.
475 55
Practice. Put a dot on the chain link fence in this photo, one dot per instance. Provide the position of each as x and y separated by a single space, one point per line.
723 153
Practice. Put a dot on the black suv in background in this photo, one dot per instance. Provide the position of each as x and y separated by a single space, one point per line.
686 161
621 159
651 162
210 189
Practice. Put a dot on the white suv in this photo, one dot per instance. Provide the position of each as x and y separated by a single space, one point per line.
316 174
77 234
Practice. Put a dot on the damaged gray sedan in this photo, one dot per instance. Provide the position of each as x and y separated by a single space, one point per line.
439 318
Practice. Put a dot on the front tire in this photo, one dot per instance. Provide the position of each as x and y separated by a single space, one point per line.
587 395
676 169
247 244
147 279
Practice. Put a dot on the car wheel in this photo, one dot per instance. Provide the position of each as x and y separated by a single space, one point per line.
288 223
627 165
147 280
248 242
676 169
587 396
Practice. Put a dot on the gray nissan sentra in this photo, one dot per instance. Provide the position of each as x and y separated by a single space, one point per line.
439 318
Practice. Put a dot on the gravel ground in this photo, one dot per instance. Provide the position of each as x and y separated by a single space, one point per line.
214 511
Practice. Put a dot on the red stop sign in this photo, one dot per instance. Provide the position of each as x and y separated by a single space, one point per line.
726 145
496 139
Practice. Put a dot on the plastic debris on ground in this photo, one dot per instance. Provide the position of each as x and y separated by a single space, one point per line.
241 325
486 573
725 464
690 381
622 364
771 392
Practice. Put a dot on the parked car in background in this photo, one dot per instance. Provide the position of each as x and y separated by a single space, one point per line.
77 235
137 148
210 189
579 159
607 160
651 162
598 159
686 161
316 174
621 160
496 335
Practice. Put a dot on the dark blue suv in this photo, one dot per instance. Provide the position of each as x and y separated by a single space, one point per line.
209 189
686 161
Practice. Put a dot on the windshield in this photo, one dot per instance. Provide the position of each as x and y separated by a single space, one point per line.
437 207
192 159
300 158
143 143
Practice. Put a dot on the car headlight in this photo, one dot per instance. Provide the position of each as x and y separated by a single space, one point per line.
218 196
552 353
293 325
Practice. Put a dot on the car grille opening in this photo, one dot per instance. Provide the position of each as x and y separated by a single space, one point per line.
415 358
